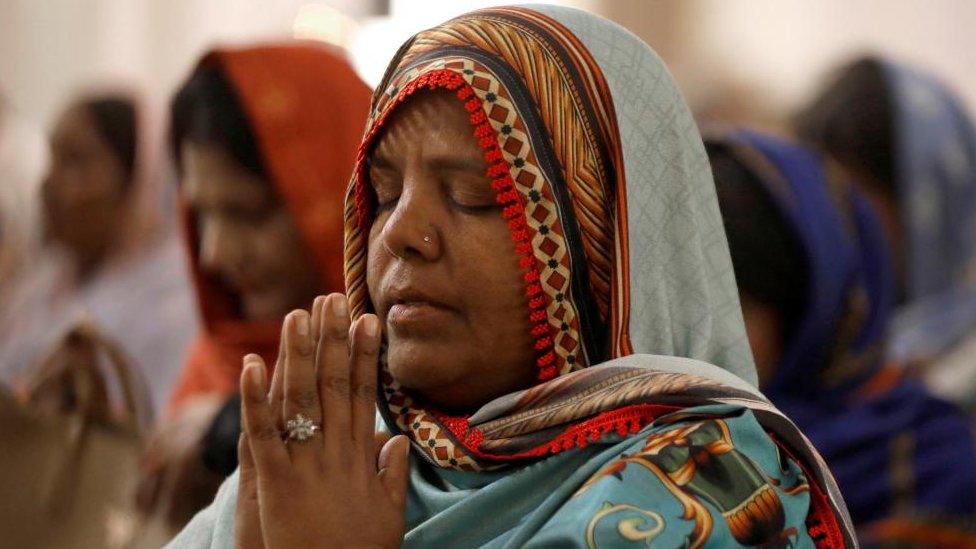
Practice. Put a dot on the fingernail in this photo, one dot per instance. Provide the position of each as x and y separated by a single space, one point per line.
372 326
254 371
303 325
340 306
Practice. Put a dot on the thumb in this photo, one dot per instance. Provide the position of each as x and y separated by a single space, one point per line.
393 465
379 441
247 523
245 461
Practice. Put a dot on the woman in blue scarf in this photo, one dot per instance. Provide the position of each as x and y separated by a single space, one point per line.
817 290
910 145
532 226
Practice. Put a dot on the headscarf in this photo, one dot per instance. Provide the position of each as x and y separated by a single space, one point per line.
305 106
935 144
613 217
933 173
892 446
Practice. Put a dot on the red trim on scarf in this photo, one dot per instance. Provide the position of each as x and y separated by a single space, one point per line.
822 524
622 421
506 195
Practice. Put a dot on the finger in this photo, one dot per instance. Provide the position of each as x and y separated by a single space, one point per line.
257 421
333 378
379 439
301 391
276 396
364 353
245 461
394 465
247 519
317 307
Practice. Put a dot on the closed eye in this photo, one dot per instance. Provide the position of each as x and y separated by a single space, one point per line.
387 186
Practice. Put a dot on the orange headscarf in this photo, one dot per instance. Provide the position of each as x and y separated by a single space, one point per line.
306 108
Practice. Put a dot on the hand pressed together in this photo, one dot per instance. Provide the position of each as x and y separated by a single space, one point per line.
346 485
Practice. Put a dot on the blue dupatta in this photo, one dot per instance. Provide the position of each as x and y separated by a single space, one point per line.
893 447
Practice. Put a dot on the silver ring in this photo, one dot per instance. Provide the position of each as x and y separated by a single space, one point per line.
300 428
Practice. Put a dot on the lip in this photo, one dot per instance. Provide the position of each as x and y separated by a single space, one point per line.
411 307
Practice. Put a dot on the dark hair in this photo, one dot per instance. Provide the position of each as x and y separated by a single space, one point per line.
853 121
207 110
115 121
766 252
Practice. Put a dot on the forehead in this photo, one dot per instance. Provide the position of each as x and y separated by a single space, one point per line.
74 125
211 176
431 120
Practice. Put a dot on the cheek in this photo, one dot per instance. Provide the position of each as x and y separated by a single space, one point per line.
491 280
377 261
765 337
90 191
277 246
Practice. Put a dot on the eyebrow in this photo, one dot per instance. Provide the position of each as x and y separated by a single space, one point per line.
379 161
212 198
440 163
459 164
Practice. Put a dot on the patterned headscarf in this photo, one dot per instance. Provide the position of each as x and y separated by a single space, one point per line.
608 198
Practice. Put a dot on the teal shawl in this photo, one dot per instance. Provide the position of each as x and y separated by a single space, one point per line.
645 426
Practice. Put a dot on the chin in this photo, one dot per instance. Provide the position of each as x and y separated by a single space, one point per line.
422 366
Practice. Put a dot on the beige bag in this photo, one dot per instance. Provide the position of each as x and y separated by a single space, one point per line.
68 460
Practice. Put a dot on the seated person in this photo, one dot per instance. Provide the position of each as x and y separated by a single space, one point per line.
264 140
910 146
108 256
816 286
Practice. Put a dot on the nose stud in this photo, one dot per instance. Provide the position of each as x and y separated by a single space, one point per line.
427 238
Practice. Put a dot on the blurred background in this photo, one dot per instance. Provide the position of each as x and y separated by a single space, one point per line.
721 51
94 271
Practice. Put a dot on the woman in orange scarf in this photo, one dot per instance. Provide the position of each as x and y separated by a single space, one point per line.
264 140
286 154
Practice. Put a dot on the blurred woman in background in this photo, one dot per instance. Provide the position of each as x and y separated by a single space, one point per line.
264 140
108 254
909 144
816 285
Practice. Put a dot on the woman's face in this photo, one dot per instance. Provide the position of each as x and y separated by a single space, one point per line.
764 327
86 189
443 275
248 239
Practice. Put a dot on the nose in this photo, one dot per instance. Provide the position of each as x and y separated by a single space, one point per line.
217 250
411 231
48 186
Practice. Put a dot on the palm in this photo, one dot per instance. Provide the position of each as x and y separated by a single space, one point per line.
350 479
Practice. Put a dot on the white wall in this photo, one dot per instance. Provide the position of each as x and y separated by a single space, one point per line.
51 49
787 46
775 50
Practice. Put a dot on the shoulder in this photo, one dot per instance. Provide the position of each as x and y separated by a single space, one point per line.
700 476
